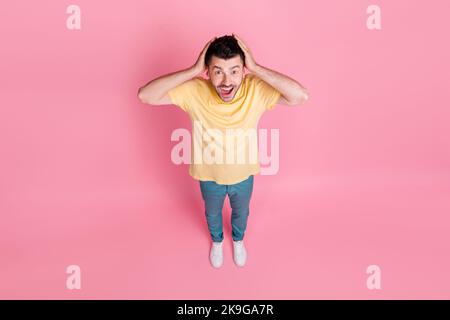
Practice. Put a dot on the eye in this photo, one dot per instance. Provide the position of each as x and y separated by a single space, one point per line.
217 72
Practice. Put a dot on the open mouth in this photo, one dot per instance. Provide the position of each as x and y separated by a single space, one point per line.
225 92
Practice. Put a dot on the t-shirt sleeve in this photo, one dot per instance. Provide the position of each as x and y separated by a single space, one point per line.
269 95
182 94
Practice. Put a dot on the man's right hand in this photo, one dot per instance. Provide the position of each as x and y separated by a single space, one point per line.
200 66
156 91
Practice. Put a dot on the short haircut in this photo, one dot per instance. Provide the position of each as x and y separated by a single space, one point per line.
225 47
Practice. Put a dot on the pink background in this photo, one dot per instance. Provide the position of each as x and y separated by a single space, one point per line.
86 175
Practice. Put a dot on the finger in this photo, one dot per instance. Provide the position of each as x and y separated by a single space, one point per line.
242 44
207 45
238 39
244 48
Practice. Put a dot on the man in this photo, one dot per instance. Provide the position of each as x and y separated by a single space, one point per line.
228 100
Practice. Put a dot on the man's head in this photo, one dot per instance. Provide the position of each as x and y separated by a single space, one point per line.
225 61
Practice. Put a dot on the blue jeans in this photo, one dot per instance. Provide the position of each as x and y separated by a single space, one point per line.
214 195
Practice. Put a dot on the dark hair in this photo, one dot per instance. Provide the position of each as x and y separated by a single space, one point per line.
225 47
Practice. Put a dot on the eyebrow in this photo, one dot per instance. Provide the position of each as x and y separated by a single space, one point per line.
237 66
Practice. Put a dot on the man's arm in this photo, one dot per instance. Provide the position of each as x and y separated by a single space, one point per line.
156 91
292 92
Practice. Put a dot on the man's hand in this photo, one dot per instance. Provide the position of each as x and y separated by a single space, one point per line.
156 92
292 92
250 62
200 66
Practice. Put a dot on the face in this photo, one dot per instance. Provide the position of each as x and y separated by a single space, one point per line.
226 76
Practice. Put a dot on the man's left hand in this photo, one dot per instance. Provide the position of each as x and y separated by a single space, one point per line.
250 63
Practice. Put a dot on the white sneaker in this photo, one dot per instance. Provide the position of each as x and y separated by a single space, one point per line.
239 253
216 254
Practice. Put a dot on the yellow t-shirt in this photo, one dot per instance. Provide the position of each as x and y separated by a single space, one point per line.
224 134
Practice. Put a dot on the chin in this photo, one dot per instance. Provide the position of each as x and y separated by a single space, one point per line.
227 99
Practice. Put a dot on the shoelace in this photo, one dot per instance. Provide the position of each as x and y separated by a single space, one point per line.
239 246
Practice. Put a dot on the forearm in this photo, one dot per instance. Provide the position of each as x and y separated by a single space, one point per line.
157 88
290 89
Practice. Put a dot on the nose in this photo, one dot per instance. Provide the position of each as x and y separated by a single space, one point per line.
226 81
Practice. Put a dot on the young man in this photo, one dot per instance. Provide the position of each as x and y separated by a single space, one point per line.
229 101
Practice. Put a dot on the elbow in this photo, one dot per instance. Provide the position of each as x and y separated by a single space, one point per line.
141 96
305 96
301 98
